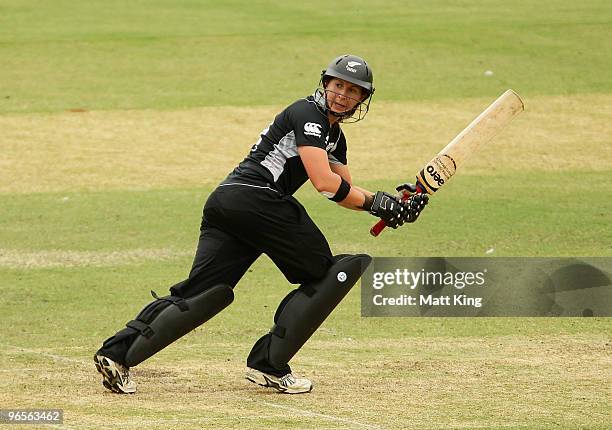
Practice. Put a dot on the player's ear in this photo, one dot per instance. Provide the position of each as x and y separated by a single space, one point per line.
364 94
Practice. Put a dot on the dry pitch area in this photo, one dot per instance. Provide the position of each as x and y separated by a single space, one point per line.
74 151
514 382
500 375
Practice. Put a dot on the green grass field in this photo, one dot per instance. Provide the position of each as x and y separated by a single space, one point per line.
118 118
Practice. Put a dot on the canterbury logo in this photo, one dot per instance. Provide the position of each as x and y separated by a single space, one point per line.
312 129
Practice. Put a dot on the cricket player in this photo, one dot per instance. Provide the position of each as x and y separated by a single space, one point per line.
253 211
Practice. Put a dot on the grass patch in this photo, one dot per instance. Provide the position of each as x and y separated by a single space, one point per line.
151 149
165 55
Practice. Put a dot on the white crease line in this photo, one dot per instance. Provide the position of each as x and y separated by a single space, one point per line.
54 357
45 354
329 417
19 369
289 408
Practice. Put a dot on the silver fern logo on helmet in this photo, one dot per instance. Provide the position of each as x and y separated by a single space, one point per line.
350 66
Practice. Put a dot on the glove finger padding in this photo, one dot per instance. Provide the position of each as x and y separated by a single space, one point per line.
423 198
416 203
399 219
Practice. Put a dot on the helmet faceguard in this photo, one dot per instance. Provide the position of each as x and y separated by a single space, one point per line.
355 70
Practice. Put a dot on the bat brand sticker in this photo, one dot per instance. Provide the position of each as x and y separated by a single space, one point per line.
438 171
435 175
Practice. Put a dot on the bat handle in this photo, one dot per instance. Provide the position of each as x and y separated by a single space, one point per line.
377 228
380 225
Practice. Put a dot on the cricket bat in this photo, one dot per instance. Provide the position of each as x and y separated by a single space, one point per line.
443 166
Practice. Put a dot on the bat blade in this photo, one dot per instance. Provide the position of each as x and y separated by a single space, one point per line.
483 128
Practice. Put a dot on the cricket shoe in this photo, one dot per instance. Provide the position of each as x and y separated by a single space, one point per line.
288 384
116 377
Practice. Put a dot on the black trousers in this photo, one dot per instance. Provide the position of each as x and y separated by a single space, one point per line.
239 223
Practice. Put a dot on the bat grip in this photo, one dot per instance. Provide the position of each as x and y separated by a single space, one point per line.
377 228
380 225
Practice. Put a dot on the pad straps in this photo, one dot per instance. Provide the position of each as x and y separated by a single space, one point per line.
178 301
142 328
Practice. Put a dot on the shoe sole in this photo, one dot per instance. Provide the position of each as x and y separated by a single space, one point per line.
111 379
264 381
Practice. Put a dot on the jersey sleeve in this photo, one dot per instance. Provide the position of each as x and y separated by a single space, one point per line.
309 125
338 153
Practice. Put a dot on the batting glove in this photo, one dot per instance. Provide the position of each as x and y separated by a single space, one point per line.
415 203
389 208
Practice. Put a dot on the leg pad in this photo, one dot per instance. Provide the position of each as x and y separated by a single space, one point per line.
169 318
304 309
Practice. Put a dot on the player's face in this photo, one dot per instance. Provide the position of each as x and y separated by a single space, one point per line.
342 96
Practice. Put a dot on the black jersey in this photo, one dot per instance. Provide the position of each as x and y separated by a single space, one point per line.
274 159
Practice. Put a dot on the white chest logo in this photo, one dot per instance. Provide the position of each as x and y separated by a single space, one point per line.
312 129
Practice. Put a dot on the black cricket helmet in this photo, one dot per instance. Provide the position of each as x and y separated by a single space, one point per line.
355 70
